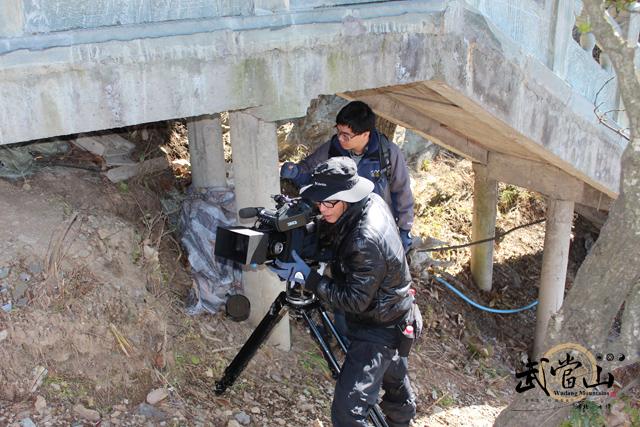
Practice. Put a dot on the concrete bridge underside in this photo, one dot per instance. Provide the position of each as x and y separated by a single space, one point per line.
458 123
436 67
441 62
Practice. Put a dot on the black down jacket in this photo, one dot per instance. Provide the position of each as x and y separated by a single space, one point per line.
370 277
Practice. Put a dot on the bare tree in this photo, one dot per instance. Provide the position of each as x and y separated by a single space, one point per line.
607 286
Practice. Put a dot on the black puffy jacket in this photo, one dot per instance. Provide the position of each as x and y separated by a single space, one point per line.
370 277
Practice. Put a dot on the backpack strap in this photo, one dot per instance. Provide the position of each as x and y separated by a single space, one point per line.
385 158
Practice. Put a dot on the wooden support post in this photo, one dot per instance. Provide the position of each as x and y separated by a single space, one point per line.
206 152
554 267
255 169
485 197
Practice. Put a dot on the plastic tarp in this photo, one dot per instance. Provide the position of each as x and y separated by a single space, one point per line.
17 160
214 278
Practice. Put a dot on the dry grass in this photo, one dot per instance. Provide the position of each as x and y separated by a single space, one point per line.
62 287
443 192
177 146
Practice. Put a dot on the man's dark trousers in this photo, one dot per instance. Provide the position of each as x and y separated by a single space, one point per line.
368 367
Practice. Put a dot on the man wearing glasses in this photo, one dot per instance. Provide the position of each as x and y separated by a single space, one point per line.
370 282
377 160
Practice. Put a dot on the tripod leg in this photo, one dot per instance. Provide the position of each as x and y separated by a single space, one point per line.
328 354
376 415
329 324
249 349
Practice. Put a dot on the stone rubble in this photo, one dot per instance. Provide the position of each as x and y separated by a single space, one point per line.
85 413
157 395
40 404
242 418
24 414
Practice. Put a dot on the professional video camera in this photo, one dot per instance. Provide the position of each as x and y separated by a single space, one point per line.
276 233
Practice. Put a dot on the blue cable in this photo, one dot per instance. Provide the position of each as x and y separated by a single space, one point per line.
481 307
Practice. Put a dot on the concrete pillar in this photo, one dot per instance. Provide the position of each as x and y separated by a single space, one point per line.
485 199
554 266
255 169
206 152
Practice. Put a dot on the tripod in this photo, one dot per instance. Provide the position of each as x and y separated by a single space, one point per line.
305 305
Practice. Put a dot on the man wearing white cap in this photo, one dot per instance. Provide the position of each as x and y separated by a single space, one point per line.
370 283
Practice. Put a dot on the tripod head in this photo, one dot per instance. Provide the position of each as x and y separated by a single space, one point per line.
297 296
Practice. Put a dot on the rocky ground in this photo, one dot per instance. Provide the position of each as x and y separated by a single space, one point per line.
96 334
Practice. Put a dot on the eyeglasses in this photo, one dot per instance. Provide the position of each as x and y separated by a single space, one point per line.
328 203
345 135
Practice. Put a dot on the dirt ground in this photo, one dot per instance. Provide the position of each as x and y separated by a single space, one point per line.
97 335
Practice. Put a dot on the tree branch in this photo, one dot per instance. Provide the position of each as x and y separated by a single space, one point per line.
621 55
602 117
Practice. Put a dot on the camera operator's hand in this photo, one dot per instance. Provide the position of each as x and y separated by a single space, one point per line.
288 271
289 170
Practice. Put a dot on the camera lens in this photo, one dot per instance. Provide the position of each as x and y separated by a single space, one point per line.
277 248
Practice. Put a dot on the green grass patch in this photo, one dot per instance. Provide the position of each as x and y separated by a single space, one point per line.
585 414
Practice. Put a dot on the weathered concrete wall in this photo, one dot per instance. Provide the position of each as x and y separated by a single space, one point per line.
45 16
588 78
26 17
309 4
526 22
11 18
93 86
511 91
541 27
279 69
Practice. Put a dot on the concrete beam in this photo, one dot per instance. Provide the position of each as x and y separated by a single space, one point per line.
541 127
206 152
393 110
596 216
485 199
554 266
546 179
429 103
254 147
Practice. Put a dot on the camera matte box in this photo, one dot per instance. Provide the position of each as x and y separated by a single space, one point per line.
241 244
